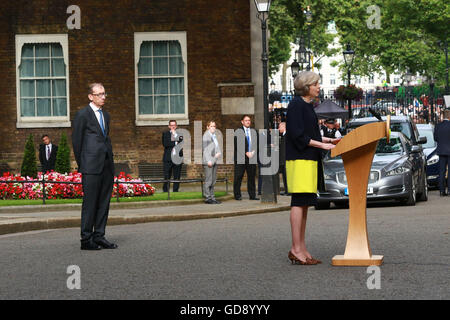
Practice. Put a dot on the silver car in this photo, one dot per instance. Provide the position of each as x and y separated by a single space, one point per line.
398 172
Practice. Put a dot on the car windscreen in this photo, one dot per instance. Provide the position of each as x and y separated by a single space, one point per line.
430 139
394 146
402 127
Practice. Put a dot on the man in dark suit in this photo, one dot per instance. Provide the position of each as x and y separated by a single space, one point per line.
245 158
171 161
47 154
93 153
442 137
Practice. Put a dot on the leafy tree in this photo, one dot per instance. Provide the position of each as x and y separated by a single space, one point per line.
62 164
29 167
406 40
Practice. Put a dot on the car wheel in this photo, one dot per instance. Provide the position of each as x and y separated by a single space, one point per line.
322 205
424 195
411 199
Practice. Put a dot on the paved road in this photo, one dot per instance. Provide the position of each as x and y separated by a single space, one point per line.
236 258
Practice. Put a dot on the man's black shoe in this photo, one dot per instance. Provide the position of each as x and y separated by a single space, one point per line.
89 245
444 194
237 198
217 201
209 201
105 244
254 198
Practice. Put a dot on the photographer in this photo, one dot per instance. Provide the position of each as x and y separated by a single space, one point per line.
170 139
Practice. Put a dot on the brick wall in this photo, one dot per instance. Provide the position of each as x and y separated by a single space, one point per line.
218 51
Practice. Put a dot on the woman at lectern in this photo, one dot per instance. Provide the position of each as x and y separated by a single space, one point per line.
303 160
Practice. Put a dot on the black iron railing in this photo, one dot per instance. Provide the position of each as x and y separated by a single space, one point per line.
117 183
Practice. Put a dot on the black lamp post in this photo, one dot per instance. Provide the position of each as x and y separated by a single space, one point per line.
268 182
431 83
295 68
444 46
308 16
349 55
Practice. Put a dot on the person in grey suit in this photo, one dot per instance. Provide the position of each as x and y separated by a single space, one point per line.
211 153
93 153
442 137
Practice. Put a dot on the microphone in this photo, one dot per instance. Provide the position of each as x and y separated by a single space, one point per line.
375 114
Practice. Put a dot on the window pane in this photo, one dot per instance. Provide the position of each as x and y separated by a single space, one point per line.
160 48
176 66
177 104
27 51
59 107
59 88
160 66
42 68
58 68
26 68
43 108
145 105
27 107
161 104
177 86
57 50
27 88
161 86
43 88
145 66
174 48
145 86
146 49
42 50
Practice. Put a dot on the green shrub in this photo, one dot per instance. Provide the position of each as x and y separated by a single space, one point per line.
29 167
62 164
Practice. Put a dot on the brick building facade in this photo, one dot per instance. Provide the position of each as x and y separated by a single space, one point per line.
190 60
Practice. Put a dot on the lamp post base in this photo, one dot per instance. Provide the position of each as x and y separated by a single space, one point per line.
269 190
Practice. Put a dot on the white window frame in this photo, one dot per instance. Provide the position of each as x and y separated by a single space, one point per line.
160 119
42 122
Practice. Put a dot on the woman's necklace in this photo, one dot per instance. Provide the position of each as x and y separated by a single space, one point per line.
307 99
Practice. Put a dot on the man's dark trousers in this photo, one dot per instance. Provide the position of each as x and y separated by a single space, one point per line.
169 167
443 163
239 170
97 190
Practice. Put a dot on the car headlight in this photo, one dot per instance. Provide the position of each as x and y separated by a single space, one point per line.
433 160
396 171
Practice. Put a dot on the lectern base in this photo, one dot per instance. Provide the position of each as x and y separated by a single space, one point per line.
339 260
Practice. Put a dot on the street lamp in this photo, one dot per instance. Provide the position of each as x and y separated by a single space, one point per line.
444 46
268 181
308 16
349 55
431 83
272 86
295 68
302 53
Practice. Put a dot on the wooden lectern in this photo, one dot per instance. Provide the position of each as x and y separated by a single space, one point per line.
357 149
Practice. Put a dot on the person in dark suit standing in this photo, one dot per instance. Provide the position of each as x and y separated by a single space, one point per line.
47 154
171 162
93 153
442 137
245 158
